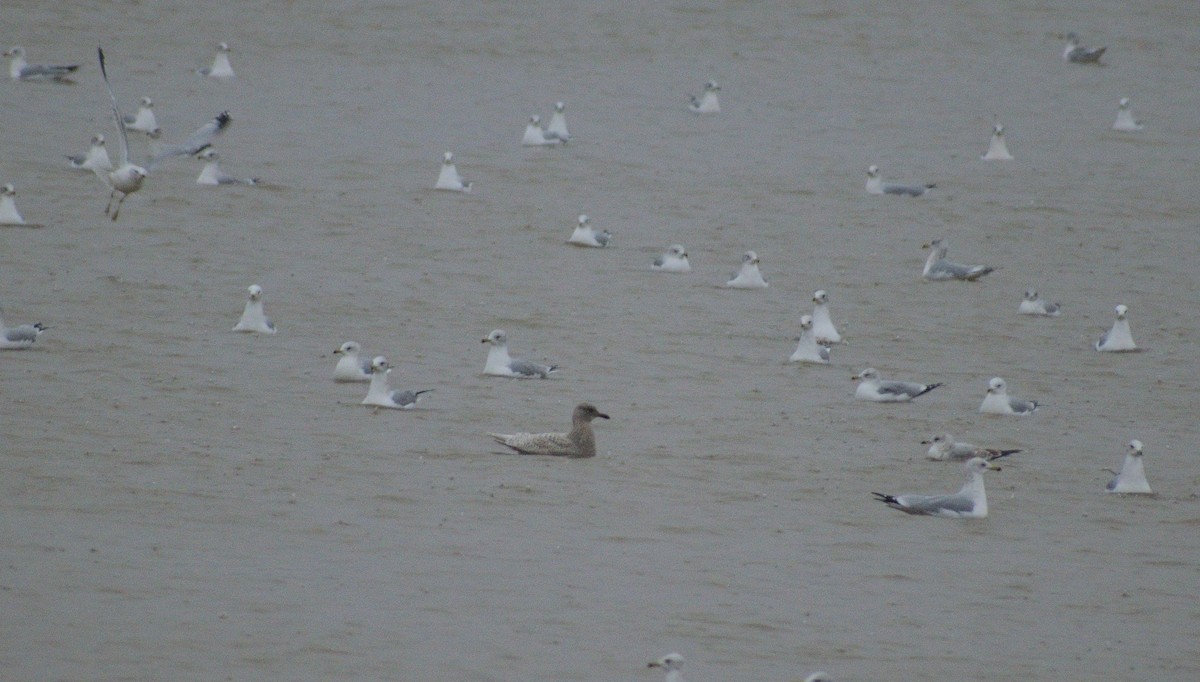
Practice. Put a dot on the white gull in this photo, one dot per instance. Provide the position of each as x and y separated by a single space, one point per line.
823 327
212 174
21 70
350 367
998 401
1119 338
448 177
943 447
1032 304
807 348
500 364
674 260
586 235
126 178
872 388
21 336
253 319
706 103
748 277
1125 121
997 150
9 215
380 393
96 159
876 185
1132 477
970 502
221 68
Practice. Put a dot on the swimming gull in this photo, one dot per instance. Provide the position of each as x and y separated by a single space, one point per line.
1132 477
1076 53
674 260
126 178
579 442
706 103
1033 304
9 215
938 269
351 367
558 122
1125 122
819 677
254 320
998 401
807 348
220 69
970 502
586 235
943 447
499 364
876 185
997 150
1118 338
871 387
197 142
672 663
748 277
380 394
20 70
212 173
823 327
96 159
19 337
536 137
448 178
144 120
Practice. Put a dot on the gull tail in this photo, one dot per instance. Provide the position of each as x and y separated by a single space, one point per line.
886 499
1004 453
928 388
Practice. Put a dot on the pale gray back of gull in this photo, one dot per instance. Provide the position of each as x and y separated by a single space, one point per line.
20 70
196 142
970 502
871 387
500 364
938 269
380 394
1077 54
579 442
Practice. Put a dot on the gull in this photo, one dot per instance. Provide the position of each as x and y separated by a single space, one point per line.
674 260
380 394
196 142
706 103
212 173
1132 477
19 337
943 447
938 269
96 159
998 401
1036 305
672 663
144 121
536 137
586 235
350 367
9 215
499 364
823 327
254 320
1118 338
126 178
997 150
220 68
748 277
448 178
1078 54
872 388
1125 122
20 70
970 502
876 185
558 122
807 348
579 442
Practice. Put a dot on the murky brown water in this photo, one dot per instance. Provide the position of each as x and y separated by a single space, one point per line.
181 502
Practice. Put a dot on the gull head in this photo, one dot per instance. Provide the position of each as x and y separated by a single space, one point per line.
447 158
751 258
1135 448
978 465
223 47
256 292
806 322
209 154
584 219
154 134
1124 103
677 250
8 190
998 130
671 661
868 374
380 364
1031 295
559 107
872 171
819 297
348 347
16 52
1121 310
712 86
497 337
98 140
1072 38
940 438
587 412
535 120
997 386
819 677
147 102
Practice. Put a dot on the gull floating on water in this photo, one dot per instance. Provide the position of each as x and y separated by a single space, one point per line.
807 348
823 327
998 401
220 69
1132 478
19 337
96 159
672 664
536 137
351 367
1119 338
144 120
1125 122
212 173
674 260
876 185
706 103
20 70
448 178
875 389
586 235
997 150
126 178
580 441
380 394
1076 53
748 277
197 142
9 215
499 364
558 122
938 269
944 448
253 318
1033 304
970 502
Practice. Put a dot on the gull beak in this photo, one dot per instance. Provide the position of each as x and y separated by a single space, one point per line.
855 378
337 351
602 415
483 340
993 467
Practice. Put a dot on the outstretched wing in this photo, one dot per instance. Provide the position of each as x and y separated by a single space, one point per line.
116 111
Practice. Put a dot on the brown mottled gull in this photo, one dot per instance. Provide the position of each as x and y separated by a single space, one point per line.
579 442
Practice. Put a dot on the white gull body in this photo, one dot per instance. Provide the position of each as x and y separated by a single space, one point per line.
707 103
448 177
1077 54
1032 304
939 269
823 327
9 215
19 337
874 389
558 122
970 502
380 393
1132 477
21 70
1119 338
997 150
253 319
998 401
748 277
807 348
220 69
144 121
534 136
674 260
95 160
500 364
943 448
196 143
212 174
350 366
1125 121
876 185
586 235
126 178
